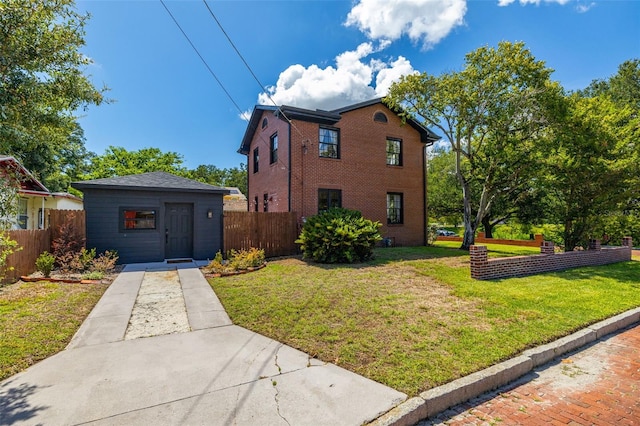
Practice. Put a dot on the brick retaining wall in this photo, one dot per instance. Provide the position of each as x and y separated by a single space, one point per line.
483 268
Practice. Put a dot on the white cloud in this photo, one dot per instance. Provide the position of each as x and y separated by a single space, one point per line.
425 21
350 81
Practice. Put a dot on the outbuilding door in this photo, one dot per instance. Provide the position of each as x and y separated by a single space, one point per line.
179 231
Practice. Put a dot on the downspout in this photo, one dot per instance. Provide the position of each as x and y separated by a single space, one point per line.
425 193
289 182
39 226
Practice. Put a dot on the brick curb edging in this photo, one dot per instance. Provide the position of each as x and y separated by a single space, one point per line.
438 399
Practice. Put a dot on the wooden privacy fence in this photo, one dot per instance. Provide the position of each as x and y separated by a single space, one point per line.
23 262
275 232
34 242
75 219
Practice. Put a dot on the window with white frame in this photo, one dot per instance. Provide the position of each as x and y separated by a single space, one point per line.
23 215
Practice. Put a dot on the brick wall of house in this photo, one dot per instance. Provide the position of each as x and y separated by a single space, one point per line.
272 178
483 268
361 172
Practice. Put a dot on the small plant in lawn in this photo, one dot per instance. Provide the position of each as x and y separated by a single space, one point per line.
105 262
339 236
44 263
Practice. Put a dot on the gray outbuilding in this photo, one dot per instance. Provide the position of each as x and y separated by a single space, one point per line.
153 216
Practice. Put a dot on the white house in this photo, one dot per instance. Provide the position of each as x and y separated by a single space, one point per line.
35 200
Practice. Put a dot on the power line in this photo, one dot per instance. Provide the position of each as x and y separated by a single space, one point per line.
246 64
202 59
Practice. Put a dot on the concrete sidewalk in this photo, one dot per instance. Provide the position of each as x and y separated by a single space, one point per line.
216 374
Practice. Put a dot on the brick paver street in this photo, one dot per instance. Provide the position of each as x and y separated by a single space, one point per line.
599 385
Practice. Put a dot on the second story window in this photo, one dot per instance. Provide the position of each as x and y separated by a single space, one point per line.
273 148
329 143
394 152
256 158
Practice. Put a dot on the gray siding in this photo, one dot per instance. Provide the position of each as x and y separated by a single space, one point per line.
104 230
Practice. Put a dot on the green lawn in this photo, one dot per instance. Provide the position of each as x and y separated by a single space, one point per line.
39 319
412 318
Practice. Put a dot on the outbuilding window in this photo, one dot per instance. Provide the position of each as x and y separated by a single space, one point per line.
134 219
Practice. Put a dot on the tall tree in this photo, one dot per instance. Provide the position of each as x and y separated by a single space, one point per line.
117 161
42 82
588 167
492 113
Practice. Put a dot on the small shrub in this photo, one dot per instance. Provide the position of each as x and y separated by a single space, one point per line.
339 236
44 263
105 262
217 265
432 234
86 257
245 259
237 260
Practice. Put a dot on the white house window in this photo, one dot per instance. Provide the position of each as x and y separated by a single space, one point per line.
23 216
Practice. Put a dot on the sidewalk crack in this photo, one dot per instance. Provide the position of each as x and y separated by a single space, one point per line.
276 398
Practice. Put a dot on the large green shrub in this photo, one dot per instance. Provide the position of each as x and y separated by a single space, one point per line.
339 236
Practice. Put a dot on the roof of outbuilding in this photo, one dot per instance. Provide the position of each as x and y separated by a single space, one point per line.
152 181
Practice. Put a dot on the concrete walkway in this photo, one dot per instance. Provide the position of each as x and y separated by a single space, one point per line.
215 374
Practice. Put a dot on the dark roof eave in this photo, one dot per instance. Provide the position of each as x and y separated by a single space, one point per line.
81 186
254 122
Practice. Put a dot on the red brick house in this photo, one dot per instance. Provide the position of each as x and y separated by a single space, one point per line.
360 157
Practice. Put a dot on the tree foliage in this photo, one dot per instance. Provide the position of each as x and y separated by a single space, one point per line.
117 161
231 177
42 84
492 113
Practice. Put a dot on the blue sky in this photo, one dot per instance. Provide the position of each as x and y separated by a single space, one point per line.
312 54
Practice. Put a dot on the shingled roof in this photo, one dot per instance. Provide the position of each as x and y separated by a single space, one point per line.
154 181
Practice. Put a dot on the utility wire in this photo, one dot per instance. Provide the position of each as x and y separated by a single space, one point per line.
262 87
202 59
